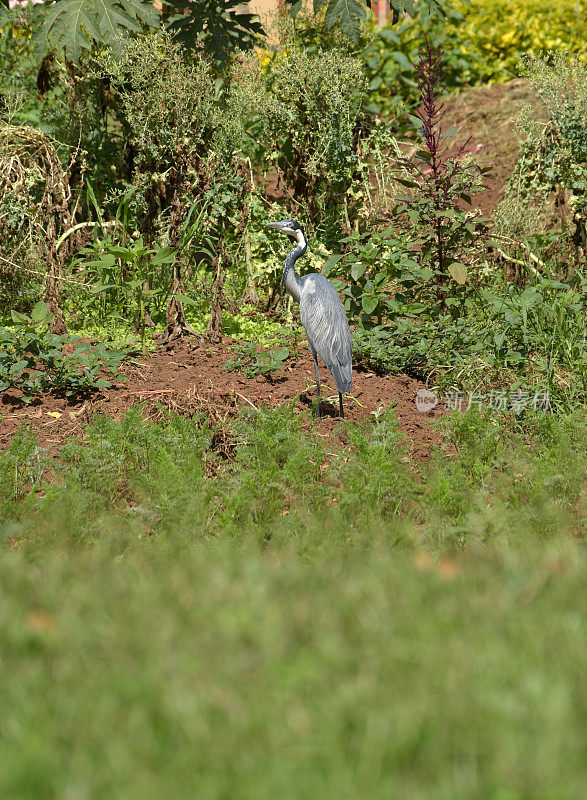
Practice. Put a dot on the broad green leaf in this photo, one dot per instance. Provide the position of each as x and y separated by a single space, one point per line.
404 182
348 13
330 262
17 368
41 313
357 270
105 262
75 25
458 272
387 33
188 301
102 287
369 303
425 274
146 12
401 59
165 255
124 253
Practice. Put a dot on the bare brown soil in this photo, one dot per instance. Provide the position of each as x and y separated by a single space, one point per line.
486 117
188 369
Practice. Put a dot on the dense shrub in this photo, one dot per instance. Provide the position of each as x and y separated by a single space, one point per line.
553 156
183 145
495 32
308 118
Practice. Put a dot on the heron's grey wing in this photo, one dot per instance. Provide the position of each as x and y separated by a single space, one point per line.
324 318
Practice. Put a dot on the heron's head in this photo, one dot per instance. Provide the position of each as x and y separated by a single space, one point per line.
292 229
287 226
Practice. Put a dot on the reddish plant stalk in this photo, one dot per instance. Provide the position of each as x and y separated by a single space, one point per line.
429 77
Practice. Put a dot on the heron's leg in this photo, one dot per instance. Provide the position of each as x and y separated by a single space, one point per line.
317 383
340 404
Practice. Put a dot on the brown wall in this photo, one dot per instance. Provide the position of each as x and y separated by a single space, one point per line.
263 7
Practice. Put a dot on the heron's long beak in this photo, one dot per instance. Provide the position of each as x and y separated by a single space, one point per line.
276 225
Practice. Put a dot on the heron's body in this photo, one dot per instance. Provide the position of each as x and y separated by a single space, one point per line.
322 315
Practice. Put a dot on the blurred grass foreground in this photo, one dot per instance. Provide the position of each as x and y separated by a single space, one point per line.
347 629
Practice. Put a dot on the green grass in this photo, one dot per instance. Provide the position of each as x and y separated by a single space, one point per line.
307 623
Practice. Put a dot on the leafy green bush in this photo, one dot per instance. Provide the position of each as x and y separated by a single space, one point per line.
308 119
247 360
33 360
186 151
480 42
132 280
505 337
443 233
425 260
376 274
495 32
390 55
162 96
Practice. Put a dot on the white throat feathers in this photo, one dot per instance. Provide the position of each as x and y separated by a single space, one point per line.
300 238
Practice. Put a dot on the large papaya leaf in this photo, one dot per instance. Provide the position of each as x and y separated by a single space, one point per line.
76 25
219 26
349 13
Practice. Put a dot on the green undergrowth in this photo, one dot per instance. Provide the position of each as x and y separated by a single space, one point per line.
294 620
533 338
263 478
246 324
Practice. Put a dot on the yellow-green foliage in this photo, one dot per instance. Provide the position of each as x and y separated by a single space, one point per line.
497 31
480 43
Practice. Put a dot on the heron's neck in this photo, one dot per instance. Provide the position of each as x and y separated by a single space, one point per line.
290 279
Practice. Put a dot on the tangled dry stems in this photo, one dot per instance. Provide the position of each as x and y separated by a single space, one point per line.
34 181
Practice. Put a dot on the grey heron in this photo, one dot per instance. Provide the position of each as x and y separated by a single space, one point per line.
322 315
